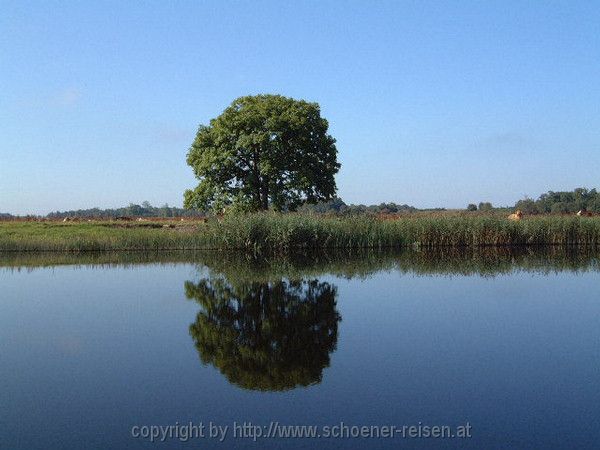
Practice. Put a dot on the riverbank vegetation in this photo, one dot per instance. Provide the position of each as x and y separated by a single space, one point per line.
281 233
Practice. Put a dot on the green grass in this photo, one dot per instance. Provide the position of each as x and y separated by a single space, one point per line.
96 236
270 232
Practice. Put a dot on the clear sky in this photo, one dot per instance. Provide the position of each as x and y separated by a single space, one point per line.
432 103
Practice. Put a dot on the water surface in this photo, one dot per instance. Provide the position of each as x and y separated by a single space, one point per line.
507 341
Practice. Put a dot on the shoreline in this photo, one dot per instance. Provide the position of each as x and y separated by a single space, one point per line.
289 233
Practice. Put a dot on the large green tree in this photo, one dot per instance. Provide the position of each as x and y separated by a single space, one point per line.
263 151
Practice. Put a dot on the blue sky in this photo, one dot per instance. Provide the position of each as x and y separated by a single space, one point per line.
432 103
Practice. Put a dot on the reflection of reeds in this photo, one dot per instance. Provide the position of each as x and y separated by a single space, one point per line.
270 232
243 266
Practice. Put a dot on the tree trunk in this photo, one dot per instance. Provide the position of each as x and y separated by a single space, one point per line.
264 203
258 198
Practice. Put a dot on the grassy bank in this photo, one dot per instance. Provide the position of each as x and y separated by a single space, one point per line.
289 232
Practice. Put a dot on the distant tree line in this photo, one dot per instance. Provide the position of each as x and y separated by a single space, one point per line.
338 206
550 202
334 206
562 202
133 210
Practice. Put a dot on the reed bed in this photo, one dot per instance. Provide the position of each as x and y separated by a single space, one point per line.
271 232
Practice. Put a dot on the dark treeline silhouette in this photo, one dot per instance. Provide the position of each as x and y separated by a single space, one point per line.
548 203
337 205
561 202
580 199
133 210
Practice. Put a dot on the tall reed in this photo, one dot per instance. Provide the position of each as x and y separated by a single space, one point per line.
271 232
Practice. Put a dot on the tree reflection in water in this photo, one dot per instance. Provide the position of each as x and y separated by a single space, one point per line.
265 335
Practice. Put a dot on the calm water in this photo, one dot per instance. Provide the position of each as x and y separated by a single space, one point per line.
508 343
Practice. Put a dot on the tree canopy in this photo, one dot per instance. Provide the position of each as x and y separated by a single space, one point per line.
562 202
263 151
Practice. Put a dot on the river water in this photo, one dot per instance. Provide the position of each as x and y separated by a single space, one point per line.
487 349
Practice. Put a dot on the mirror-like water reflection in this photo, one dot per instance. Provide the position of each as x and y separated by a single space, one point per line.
269 336
92 345
451 261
